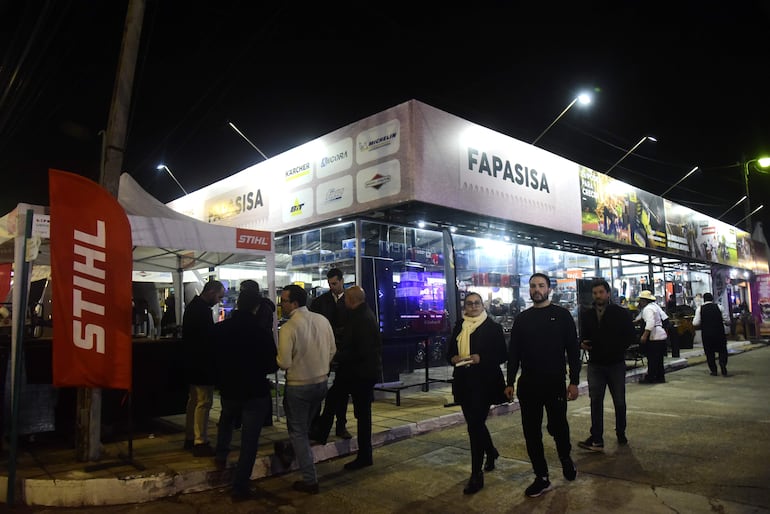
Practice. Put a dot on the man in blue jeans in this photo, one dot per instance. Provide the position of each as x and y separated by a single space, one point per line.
607 331
305 350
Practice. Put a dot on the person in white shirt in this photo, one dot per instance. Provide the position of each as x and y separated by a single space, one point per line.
654 338
305 350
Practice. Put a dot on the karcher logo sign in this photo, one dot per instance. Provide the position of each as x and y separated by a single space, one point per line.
298 171
252 239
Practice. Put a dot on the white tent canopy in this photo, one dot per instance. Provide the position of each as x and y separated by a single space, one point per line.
162 239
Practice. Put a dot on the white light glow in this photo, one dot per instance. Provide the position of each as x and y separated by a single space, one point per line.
584 99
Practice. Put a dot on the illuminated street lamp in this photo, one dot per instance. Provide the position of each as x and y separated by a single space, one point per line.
762 165
164 167
680 181
645 138
583 99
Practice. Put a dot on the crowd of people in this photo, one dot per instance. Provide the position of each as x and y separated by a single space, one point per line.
340 334
235 356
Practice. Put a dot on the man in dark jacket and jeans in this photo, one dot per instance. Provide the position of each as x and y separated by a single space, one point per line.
607 331
245 354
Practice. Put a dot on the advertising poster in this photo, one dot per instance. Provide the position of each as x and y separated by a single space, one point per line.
761 303
696 235
615 211
717 241
682 230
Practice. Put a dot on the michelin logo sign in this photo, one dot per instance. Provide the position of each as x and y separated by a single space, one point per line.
378 142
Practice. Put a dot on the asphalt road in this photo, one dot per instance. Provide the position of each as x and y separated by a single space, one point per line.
697 444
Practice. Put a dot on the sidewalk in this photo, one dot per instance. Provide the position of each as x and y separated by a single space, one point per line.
47 473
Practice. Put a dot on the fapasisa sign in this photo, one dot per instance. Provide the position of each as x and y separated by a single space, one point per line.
243 200
517 181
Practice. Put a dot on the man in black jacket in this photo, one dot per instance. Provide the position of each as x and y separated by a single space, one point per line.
607 331
332 305
711 321
197 324
245 353
359 359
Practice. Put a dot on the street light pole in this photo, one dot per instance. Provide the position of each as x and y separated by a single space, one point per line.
736 204
644 138
238 131
583 98
164 167
679 182
750 214
763 165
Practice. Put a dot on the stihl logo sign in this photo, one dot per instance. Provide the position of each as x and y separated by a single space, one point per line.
252 239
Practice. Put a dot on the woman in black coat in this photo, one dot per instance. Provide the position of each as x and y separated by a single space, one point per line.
477 349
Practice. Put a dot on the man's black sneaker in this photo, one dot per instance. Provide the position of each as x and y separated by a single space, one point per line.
242 496
591 445
538 487
357 464
568 469
622 439
343 433
203 450
305 487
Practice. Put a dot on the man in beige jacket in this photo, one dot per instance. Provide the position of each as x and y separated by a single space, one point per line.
305 350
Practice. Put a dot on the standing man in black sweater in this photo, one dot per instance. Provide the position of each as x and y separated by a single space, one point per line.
710 320
607 331
244 355
331 305
359 367
197 326
543 342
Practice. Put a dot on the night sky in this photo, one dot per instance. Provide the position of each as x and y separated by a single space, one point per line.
692 74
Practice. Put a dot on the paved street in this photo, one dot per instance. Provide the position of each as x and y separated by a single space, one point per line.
698 444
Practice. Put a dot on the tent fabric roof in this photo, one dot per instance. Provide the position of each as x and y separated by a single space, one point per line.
163 239
166 240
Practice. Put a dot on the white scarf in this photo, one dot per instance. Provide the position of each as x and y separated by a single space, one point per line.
464 338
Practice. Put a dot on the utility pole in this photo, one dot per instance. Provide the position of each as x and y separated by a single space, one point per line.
89 400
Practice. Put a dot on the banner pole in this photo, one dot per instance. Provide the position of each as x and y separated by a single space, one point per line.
20 318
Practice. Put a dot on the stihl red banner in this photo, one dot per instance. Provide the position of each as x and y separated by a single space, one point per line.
91 264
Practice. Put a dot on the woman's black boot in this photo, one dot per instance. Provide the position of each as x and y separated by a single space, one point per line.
475 484
491 456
